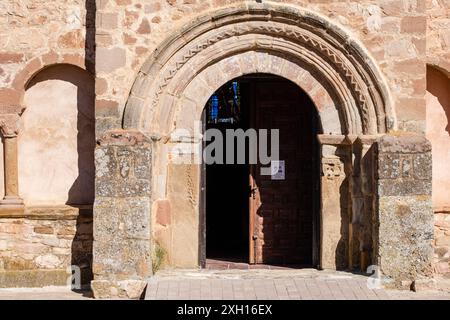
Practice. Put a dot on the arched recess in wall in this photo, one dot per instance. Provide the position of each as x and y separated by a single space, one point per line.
438 132
302 39
56 138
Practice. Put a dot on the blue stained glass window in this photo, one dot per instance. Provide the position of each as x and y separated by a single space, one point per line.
224 104
214 109
235 92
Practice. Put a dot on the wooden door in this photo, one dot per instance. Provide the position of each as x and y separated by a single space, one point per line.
281 211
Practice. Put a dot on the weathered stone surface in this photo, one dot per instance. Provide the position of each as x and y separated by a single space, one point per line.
45 230
122 217
133 288
399 37
184 203
403 143
122 246
118 258
404 222
423 285
130 289
111 59
33 278
332 234
45 239
163 216
123 171
404 187
48 261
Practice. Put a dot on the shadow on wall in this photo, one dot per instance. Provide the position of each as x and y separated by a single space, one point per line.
438 84
58 136
342 249
89 43
82 190
81 193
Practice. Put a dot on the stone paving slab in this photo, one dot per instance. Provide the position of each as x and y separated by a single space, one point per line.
294 284
261 284
46 293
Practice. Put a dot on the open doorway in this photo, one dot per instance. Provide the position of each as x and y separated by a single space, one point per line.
254 218
227 204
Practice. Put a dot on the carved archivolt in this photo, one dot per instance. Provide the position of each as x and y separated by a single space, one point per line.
337 62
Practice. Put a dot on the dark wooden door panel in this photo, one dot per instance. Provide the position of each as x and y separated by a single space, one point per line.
281 211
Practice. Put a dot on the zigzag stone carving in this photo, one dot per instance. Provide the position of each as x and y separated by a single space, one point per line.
355 73
291 34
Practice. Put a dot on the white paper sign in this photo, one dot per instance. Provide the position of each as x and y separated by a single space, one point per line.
277 169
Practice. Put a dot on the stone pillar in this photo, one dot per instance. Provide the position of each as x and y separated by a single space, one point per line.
362 202
11 176
122 215
334 206
403 232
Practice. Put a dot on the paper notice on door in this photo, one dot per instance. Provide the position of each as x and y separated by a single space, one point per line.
277 169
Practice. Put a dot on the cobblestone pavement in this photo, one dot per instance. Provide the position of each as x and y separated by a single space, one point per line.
304 284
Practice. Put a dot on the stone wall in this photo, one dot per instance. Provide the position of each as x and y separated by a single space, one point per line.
403 225
438 129
33 29
38 243
38 248
122 228
442 243
438 34
438 53
35 35
393 32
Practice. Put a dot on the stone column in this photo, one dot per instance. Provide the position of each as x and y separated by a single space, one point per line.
362 202
122 259
403 230
334 206
11 197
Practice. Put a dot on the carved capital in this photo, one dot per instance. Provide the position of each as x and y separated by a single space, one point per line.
8 125
332 168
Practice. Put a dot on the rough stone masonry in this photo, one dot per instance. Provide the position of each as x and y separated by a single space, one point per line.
90 92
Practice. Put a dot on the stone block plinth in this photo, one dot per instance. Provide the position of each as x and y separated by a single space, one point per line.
404 222
122 215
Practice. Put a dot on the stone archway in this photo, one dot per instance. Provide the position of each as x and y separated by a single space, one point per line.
173 86
156 208
304 39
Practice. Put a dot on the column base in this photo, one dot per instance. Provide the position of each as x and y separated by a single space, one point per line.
11 201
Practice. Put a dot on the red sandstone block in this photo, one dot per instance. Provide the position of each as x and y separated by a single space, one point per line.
10 57
414 24
9 97
163 212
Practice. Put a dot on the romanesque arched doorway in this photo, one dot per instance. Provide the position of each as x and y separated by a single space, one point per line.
149 174
251 217
171 90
